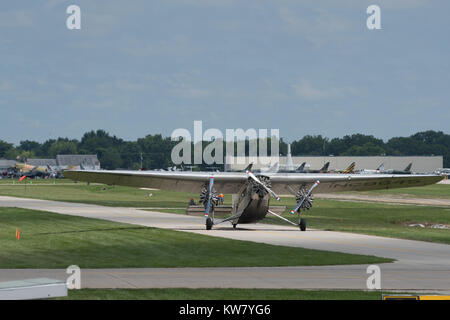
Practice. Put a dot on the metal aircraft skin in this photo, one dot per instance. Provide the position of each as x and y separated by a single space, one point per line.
253 191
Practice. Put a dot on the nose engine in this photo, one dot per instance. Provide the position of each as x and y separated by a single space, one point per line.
259 190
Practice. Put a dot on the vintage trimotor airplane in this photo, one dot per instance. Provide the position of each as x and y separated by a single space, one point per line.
252 191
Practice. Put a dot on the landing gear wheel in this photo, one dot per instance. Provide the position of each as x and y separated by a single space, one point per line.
234 225
302 225
209 224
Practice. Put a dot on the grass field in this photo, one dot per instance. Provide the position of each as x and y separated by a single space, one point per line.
367 218
220 294
50 240
115 196
432 191
375 219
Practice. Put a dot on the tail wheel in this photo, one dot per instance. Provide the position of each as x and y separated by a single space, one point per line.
302 224
209 224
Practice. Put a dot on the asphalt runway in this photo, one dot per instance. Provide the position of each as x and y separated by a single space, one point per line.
420 266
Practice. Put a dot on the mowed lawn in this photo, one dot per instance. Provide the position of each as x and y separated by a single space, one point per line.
50 240
374 219
359 217
115 196
431 191
221 294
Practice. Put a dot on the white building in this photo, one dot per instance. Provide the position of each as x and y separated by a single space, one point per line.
420 164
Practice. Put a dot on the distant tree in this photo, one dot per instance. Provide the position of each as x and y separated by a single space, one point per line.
32 146
130 153
156 151
5 147
63 146
363 144
92 141
109 158
310 145
367 149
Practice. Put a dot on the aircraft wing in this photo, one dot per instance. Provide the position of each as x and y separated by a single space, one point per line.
231 182
330 183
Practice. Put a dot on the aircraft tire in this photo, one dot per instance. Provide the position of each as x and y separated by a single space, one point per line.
209 224
302 224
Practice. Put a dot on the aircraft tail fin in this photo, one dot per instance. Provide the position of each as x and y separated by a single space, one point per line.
301 168
381 167
408 168
249 167
273 168
325 167
350 168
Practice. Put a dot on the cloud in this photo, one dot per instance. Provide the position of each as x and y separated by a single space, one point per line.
191 93
305 90
318 28
178 45
16 19
207 3
5 85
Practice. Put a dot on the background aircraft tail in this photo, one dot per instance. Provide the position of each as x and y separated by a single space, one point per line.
408 168
350 168
301 168
325 167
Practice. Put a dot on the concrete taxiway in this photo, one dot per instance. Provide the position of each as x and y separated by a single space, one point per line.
419 266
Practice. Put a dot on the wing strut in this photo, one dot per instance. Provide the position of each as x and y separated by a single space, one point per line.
209 221
277 215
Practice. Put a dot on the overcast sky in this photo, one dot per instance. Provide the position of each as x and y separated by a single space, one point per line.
146 67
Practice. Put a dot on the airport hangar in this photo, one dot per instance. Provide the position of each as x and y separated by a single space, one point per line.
420 164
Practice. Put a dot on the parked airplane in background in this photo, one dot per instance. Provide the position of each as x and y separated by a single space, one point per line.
324 169
443 171
349 169
380 169
300 169
406 171
25 170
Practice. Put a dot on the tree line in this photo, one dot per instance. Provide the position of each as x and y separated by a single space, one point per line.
154 151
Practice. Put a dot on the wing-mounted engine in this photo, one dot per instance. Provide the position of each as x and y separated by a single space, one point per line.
304 197
209 198
204 196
